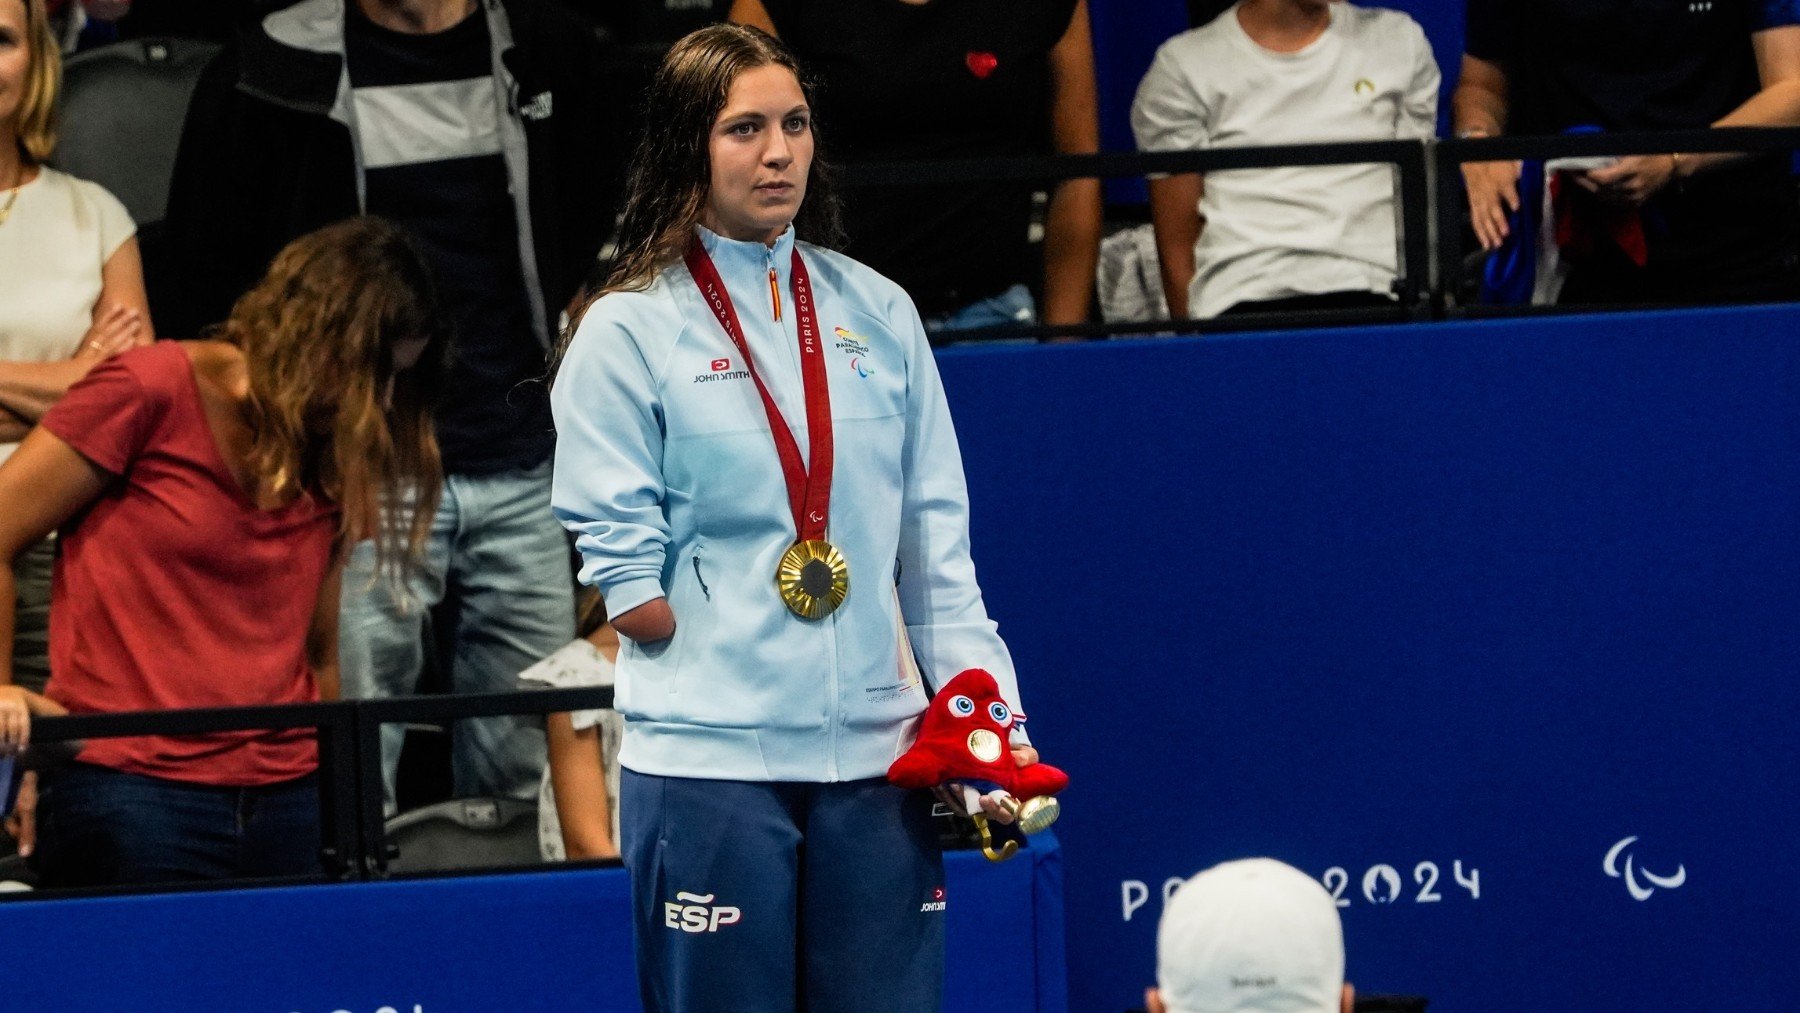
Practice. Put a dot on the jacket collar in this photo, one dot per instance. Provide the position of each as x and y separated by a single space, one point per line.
737 255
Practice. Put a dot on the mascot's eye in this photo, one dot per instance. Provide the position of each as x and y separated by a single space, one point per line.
999 713
961 706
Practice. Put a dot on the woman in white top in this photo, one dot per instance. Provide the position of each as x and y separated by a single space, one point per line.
71 281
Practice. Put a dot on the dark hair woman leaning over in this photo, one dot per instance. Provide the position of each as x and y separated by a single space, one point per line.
206 493
757 459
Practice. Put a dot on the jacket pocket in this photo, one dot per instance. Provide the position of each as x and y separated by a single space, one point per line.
690 596
700 578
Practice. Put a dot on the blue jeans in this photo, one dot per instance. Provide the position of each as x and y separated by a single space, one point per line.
493 540
1013 306
100 827
760 897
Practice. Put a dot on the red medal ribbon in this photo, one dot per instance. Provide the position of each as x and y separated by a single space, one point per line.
809 485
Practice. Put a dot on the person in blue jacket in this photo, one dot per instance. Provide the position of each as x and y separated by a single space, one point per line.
757 461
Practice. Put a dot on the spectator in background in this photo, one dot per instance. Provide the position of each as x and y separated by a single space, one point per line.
1283 72
209 492
578 808
950 79
71 285
1250 935
1717 228
482 129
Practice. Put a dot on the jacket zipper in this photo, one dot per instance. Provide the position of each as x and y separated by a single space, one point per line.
774 294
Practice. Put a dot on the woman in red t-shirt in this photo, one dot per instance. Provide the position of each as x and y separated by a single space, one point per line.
206 492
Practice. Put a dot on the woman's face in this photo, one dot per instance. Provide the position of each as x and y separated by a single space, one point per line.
15 64
761 147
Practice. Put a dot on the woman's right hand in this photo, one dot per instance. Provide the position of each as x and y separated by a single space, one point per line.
17 705
648 623
15 734
15 719
1493 194
115 330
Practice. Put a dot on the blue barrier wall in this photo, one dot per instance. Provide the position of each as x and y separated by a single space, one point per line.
543 942
1456 617
1398 604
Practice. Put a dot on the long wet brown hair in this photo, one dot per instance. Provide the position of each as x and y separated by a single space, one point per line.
671 170
331 414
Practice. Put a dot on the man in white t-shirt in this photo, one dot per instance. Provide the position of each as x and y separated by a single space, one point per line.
1283 72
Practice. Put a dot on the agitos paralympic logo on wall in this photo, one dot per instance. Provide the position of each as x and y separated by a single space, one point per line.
1639 881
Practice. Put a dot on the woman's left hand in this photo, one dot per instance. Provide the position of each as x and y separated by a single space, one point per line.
1631 180
116 329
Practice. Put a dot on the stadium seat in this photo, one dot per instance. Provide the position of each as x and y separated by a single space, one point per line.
120 119
464 833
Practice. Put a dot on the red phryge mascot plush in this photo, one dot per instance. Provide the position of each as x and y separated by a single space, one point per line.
964 738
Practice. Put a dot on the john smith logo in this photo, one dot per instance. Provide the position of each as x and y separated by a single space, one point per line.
692 912
936 903
720 369
1636 877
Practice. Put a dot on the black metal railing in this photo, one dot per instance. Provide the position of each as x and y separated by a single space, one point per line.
353 840
1430 215
1412 222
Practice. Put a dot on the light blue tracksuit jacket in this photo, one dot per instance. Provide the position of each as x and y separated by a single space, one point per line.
667 474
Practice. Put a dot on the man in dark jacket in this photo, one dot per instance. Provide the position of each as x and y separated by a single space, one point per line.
481 127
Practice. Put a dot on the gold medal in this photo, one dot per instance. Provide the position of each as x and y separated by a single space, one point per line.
813 578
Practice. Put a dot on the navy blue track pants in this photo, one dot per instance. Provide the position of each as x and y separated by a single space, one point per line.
781 897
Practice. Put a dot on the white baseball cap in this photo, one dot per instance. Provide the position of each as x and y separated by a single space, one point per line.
1255 934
